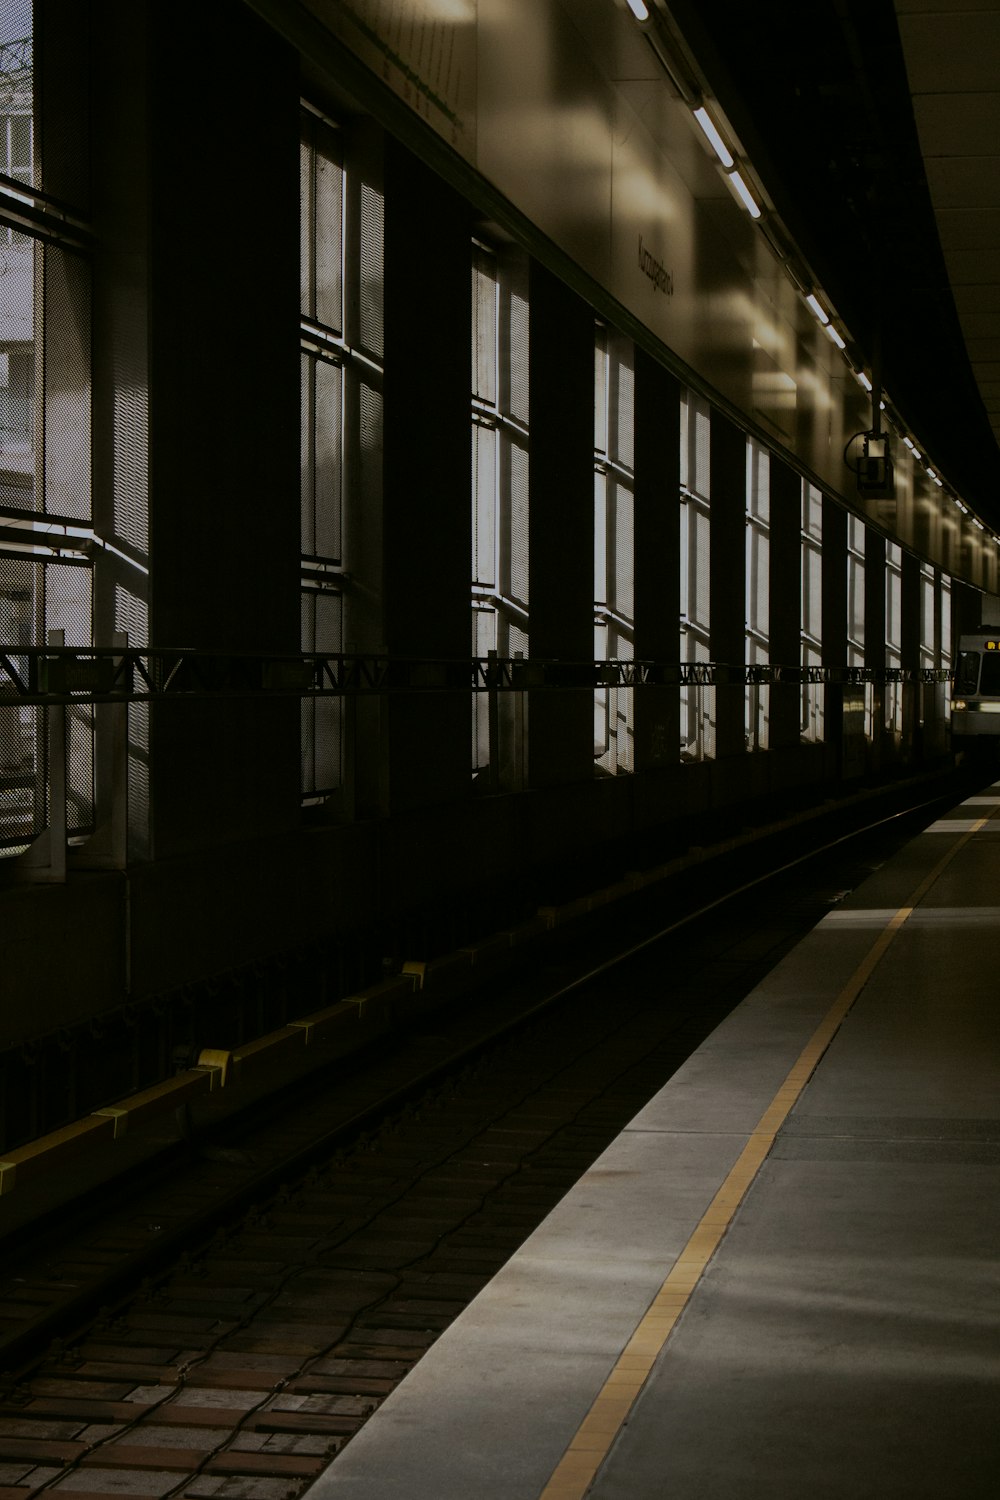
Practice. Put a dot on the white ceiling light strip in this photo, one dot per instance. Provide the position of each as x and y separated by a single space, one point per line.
713 137
734 166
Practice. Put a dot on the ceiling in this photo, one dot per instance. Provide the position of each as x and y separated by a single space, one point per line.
877 137
952 56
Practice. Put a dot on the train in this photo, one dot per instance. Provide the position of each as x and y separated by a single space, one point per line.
975 699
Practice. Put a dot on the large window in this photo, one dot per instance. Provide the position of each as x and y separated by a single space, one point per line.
946 637
341 216
758 575
893 699
697 702
856 609
45 432
614 560
811 636
928 695
499 490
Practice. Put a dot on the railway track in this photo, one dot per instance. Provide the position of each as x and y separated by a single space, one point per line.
263 1337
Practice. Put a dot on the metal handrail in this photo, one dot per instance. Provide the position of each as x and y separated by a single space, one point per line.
138 674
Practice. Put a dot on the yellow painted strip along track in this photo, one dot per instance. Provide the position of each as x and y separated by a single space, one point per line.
599 1428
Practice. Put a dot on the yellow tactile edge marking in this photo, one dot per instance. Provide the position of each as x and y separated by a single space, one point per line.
592 1442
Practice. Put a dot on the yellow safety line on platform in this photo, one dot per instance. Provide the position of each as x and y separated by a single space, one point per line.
599 1428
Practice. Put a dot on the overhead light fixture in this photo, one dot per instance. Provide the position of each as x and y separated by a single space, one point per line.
744 194
819 311
639 9
832 334
719 146
910 444
863 380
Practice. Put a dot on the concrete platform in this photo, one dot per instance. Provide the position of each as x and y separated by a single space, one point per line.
777 1281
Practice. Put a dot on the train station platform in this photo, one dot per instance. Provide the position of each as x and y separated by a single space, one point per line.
783 1278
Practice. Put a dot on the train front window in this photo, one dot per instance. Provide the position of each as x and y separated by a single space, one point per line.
989 678
967 676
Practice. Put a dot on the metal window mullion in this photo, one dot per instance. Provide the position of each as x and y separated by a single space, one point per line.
38 355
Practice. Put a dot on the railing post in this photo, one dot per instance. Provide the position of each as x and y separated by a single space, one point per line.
56 714
518 748
492 674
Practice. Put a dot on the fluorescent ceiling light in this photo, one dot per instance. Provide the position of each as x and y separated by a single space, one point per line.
639 9
820 312
911 445
862 379
719 146
832 333
745 196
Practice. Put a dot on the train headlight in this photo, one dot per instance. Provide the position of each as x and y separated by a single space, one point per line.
957 705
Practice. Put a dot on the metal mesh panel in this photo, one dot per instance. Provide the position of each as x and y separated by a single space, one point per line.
687 566
621 403
484 325
517 640
700 553
696 427
758 582
322 718
371 269
697 705
132 616
758 481
812 512
322 449
624 542
23 792
484 518
518 531
893 602
602 582
856 606
812 592
946 637
328 225
321 195
518 344
17 94
757 698
601 381
757 703
68 607
307 220
369 499
927 592
484 640
37 597
18 257
893 692
17 271
130 438
67 383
